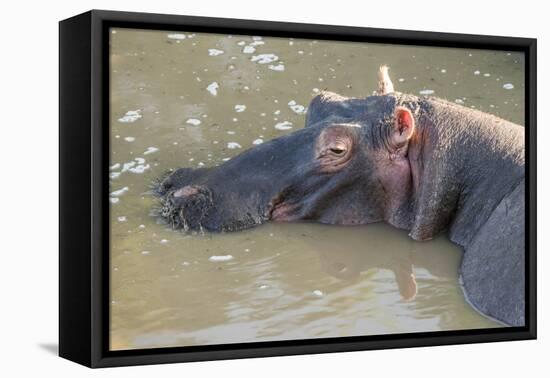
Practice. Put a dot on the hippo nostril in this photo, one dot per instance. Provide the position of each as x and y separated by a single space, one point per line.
186 191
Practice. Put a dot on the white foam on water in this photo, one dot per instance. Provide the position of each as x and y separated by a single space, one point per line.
426 92
139 169
150 150
177 36
318 293
233 145
240 108
221 258
241 43
476 72
129 139
487 74
213 88
279 67
118 193
140 160
400 80
114 200
508 86
459 101
130 116
226 159
215 52
258 141
443 70
121 219
145 252
230 132
264 58
193 121
286 125
114 175
316 90
296 108
163 241
249 49
256 38
256 42
127 166
114 166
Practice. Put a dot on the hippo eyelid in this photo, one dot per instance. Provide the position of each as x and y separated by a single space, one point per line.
338 147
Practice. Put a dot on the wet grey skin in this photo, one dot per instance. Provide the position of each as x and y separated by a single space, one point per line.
421 164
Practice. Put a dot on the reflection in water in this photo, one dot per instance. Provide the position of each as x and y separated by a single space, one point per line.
324 281
388 250
184 99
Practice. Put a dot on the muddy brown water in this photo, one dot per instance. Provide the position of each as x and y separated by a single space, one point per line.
181 99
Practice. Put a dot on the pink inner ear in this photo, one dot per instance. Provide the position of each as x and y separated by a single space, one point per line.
404 120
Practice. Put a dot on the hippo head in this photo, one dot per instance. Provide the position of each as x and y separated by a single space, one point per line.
347 166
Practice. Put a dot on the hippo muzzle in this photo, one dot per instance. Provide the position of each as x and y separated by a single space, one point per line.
187 207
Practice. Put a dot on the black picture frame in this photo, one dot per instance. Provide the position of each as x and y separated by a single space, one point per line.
84 204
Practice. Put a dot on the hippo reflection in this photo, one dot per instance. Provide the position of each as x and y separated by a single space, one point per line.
387 250
420 164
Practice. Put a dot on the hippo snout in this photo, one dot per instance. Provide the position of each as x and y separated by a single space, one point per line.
187 207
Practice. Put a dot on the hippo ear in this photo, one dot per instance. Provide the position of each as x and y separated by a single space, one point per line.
403 128
385 85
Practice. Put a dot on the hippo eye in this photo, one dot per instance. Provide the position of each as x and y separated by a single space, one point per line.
334 147
337 150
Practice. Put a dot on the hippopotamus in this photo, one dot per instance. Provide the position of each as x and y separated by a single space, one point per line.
421 164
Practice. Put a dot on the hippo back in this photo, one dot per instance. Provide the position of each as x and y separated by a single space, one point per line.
493 267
